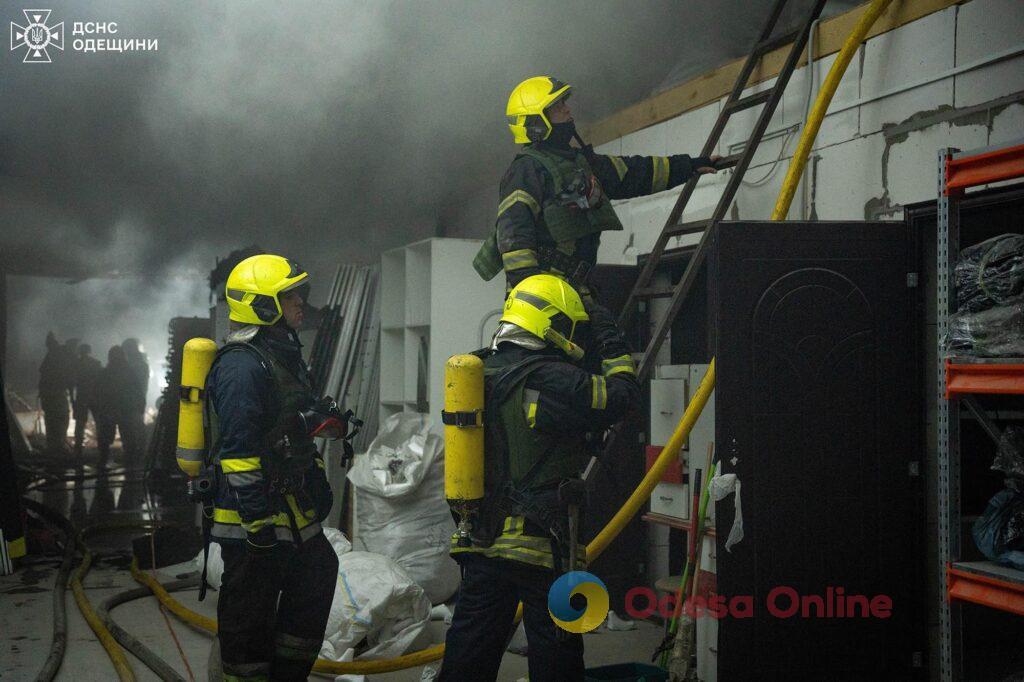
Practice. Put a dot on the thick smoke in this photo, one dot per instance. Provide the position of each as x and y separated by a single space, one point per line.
327 131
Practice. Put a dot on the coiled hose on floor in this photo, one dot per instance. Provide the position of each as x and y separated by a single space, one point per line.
159 667
110 645
59 642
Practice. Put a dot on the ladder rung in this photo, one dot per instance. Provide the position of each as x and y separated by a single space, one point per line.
654 292
766 46
689 228
749 101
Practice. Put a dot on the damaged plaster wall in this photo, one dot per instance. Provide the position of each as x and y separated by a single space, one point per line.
876 151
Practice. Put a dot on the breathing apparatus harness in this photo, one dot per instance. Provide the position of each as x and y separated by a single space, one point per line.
286 473
554 509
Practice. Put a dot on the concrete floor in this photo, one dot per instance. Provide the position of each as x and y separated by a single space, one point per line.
26 603
26 621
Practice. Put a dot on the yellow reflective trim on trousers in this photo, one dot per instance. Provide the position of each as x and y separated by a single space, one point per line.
620 166
240 464
320 463
531 415
599 392
659 179
520 196
519 259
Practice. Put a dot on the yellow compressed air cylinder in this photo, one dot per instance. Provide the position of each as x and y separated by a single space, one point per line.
464 444
196 360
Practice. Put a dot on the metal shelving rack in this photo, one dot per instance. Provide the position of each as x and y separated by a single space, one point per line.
983 583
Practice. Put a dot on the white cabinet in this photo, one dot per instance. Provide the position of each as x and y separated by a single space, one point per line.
433 305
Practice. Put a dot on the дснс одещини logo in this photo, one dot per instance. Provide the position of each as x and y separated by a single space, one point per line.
36 36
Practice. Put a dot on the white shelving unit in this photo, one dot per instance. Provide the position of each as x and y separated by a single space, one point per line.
433 305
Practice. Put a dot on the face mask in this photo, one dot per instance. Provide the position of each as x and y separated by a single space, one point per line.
562 133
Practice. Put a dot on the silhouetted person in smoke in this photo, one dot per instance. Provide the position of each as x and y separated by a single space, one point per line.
53 395
133 428
86 387
110 408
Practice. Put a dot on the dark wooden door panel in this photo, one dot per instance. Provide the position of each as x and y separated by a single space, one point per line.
816 411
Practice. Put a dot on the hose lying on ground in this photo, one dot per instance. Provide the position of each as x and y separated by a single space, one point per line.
128 641
434 653
59 642
110 645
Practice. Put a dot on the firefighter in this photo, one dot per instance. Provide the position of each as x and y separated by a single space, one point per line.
554 200
86 386
271 491
543 407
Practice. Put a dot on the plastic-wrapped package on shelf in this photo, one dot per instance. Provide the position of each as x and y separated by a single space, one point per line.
989 274
999 531
1010 454
400 507
996 332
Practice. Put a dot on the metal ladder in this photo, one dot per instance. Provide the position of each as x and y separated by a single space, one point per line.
769 98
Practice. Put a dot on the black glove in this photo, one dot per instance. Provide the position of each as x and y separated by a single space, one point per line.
700 162
263 542
605 337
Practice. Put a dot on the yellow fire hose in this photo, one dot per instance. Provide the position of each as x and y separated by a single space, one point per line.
817 115
670 451
594 549
110 645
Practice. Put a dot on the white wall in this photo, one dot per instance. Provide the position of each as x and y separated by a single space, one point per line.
873 157
865 166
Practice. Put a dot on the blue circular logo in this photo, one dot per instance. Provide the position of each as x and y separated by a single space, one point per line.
560 605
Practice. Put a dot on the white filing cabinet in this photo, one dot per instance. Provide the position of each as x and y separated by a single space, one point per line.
671 390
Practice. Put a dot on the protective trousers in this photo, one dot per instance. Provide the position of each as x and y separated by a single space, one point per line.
56 419
484 611
272 609
81 415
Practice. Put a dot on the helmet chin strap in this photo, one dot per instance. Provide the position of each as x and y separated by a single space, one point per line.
563 344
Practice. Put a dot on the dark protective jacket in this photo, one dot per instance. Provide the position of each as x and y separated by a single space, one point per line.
255 391
87 382
529 192
544 422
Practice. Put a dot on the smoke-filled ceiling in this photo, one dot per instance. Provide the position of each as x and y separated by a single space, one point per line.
325 130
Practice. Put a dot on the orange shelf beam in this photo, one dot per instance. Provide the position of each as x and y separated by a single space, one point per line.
994 378
985 590
978 169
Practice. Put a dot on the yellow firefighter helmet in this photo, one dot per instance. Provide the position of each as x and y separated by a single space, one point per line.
550 309
526 105
254 285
